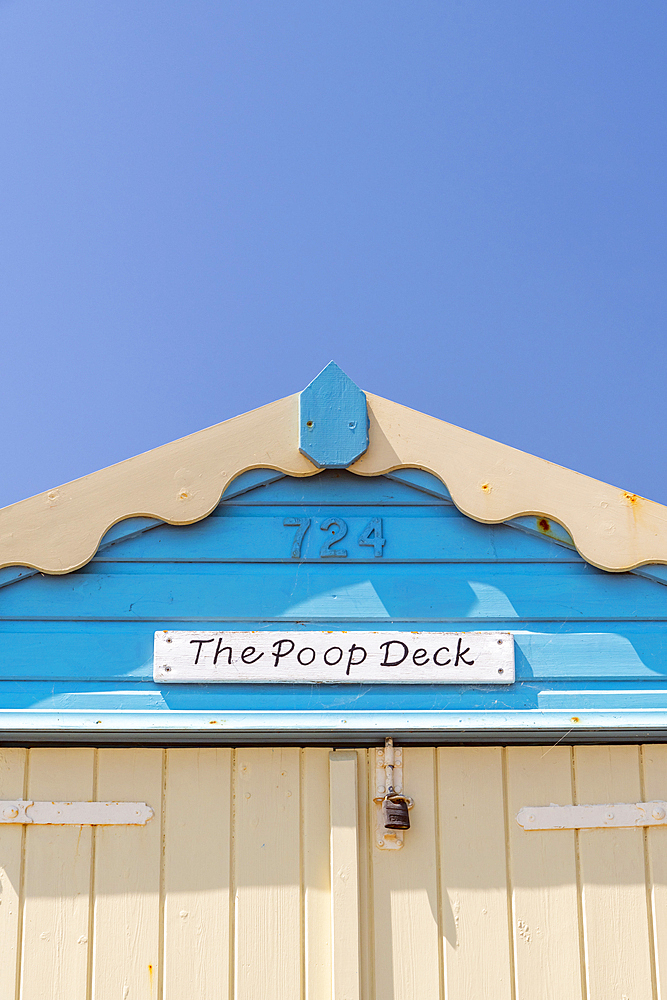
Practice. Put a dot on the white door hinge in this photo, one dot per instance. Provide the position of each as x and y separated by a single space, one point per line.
75 813
616 814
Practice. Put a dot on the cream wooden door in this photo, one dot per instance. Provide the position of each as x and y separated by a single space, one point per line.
227 893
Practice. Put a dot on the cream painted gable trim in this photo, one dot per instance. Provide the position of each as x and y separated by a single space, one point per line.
492 482
182 482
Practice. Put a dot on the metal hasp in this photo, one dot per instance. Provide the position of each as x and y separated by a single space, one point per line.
333 420
75 813
391 804
616 814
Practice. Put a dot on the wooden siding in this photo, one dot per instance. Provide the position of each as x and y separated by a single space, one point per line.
227 892
587 642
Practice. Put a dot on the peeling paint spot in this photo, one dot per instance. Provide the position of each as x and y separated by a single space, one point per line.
543 524
632 498
575 718
524 931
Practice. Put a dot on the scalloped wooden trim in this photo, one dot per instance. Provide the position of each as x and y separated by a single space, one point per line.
492 482
182 482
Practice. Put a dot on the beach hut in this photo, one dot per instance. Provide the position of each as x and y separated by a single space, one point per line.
333 700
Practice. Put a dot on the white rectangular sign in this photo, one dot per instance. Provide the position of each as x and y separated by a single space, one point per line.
334 657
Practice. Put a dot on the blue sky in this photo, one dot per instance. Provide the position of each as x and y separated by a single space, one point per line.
462 203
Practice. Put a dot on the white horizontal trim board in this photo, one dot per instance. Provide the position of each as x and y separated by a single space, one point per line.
25 811
617 814
334 657
153 726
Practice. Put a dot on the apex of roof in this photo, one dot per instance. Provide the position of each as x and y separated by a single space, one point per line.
182 482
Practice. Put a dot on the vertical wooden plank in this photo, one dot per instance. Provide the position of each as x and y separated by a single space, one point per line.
12 776
654 765
366 815
316 877
475 892
344 874
547 956
267 874
126 942
405 889
616 928
196 873
57 880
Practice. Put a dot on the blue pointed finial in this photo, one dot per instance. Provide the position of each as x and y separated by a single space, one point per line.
333 420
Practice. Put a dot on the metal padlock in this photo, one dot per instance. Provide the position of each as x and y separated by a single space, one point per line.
395 812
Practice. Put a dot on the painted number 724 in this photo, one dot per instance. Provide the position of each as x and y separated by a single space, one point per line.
336 530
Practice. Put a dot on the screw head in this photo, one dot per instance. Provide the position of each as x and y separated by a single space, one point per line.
658 813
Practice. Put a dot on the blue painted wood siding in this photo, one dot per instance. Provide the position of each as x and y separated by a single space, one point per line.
586 641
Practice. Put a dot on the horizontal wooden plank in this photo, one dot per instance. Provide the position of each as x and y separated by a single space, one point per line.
175 592
590 698
123 651
254 699
523 628
102 654
428 535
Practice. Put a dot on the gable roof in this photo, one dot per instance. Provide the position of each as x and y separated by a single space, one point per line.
182 482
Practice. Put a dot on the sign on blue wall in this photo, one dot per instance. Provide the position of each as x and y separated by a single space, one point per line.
349 555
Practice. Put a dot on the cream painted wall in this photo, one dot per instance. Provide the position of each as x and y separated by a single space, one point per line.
226 893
